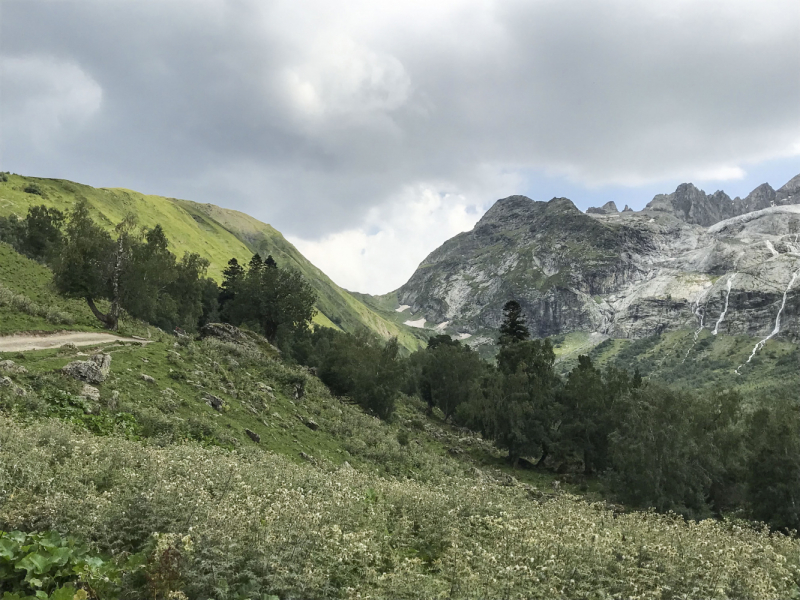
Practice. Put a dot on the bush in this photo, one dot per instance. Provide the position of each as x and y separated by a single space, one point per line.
48 566
33 188
261 524
361 366
24 304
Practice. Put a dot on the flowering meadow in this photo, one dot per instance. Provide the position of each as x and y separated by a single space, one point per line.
253 524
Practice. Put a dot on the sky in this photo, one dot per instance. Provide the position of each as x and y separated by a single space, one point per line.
368 132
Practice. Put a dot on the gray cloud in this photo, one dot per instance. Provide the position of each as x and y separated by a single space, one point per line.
309 114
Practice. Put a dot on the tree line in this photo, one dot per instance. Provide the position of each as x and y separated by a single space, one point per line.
135 271
697 454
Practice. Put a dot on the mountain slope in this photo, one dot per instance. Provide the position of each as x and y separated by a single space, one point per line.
214 233
676 264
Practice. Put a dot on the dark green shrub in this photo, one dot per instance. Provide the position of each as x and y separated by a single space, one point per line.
33 188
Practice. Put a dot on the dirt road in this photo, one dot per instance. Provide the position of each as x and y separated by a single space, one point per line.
22 342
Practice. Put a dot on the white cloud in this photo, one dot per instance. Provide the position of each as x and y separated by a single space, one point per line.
381 253
722 173
343 77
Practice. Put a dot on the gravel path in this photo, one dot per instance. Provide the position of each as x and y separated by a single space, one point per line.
22 342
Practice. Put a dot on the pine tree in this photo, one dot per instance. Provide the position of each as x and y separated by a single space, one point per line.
513 328
256 264
232 277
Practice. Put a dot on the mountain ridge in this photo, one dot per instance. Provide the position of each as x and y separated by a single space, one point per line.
625 275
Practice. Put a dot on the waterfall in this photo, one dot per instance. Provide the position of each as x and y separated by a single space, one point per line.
724 310
777 327
699 311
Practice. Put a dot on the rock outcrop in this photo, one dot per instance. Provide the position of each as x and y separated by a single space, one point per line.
95 370
9 366
224 332
609 208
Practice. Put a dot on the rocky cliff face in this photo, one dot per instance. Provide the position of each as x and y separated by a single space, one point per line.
677 263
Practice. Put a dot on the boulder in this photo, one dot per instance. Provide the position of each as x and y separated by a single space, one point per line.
6 382
9 366
147 378
224 332
214 402
94 370
90 392
313 426
253 436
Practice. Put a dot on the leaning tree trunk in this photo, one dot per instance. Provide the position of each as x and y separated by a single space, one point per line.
109 320
543 457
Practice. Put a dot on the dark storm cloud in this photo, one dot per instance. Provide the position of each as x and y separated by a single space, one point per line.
307 114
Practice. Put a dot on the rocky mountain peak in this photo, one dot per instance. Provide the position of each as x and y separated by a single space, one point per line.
609 208
694 206
508 209
520 211
761 197
791 188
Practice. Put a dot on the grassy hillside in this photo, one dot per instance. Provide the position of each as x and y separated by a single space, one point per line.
28 301
326 501
214 233
709 362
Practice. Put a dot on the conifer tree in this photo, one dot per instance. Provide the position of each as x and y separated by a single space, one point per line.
513 328
256 264
232 277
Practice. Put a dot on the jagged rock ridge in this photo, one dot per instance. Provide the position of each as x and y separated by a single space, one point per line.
627 274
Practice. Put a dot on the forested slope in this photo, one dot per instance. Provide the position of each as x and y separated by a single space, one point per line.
216 234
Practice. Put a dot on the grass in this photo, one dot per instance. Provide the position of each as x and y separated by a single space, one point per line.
173 408
215 233
676 359
357 514
30 283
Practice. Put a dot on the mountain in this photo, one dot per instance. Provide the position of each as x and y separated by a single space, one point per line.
676 264
215 233
696 207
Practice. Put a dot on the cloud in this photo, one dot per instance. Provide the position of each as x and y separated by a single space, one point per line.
44 99
394 238
317 116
